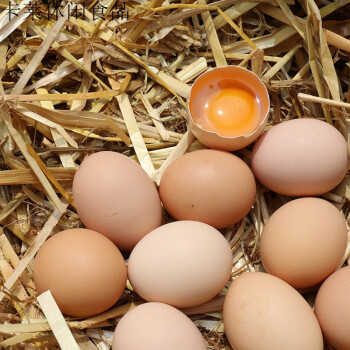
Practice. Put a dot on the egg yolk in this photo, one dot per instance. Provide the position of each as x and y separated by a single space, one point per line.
231 111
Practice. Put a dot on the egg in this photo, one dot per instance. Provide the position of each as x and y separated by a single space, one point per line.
332 309
210 186
304 241
183 263
157 326
84 271
300 157
228 108
263 312
115 196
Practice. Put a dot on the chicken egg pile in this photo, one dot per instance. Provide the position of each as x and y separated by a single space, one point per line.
186 260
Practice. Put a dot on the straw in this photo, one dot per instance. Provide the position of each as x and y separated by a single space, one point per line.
57 323
70 87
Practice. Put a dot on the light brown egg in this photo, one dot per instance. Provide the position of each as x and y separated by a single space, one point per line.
304 241
332 309
115 196
210 186
300 157
157 326
184 264
228 108
262 312
84 271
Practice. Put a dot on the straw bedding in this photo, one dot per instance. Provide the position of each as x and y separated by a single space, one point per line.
71 86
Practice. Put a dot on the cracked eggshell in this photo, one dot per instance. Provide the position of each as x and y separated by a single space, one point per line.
198 93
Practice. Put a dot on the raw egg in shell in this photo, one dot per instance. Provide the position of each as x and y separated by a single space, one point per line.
228 108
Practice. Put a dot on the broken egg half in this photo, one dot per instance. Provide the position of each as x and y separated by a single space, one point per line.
228 108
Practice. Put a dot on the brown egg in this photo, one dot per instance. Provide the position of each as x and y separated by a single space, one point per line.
210 186
228 108
184 264
262 312
303 242
157 326
300 157
115 196
84 271
332 309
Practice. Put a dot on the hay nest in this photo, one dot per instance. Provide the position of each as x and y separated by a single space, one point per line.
79 82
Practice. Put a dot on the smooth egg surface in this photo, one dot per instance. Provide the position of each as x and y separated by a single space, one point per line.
332 309
184 264
211 186
84 271
115 196
300 157
157 326
304 241
263 312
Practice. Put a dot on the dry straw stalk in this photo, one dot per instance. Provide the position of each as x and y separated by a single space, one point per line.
73 86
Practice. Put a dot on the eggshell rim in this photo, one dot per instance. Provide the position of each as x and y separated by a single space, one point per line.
259 128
